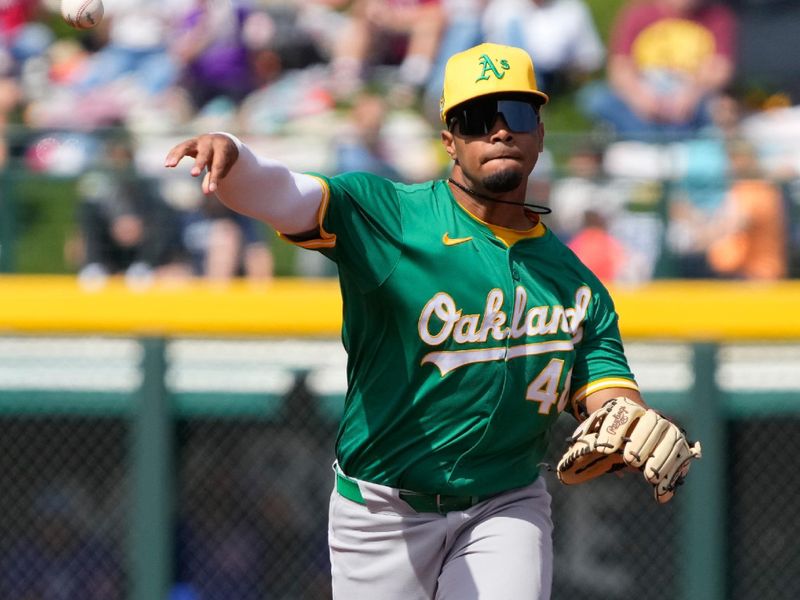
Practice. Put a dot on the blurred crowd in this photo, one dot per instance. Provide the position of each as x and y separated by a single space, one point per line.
673 172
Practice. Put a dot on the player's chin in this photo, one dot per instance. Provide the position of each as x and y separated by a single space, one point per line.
504 179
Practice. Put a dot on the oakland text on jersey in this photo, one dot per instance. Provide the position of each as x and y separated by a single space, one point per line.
441 319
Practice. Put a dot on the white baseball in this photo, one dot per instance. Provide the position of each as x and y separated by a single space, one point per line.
82 14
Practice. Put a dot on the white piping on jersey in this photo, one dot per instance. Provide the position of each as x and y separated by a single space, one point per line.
448 361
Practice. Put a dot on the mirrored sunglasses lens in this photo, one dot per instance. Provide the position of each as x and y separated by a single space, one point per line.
520 116
478 118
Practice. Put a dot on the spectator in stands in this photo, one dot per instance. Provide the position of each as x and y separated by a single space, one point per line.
125 226
605 256
694 204
210 47
463 28
221 245
591 214
560 34
404 33
323 20
289 70
699 189
23 35
23 38
752 233
294 31
137 47
774 129
667 58
581 188
360 146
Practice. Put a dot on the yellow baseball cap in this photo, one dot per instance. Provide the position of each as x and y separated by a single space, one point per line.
488 69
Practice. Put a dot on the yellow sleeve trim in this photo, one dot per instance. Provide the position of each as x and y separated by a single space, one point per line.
603 384
325 239
595 386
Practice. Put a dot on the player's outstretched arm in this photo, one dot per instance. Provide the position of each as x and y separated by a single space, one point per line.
258 187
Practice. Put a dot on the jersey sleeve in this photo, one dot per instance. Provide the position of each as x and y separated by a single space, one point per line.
600 361
360 226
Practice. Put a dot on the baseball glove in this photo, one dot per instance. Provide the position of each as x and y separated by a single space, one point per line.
624 434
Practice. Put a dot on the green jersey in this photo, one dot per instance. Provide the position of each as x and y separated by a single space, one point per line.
462 351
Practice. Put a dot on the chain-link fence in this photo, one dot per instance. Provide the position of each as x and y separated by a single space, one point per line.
62 508
253 425
763 523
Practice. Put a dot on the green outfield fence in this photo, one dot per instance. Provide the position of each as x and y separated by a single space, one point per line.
153 467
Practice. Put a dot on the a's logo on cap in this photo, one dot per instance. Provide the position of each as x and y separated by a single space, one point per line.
489 68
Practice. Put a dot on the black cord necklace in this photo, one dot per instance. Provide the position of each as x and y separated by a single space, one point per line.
534 208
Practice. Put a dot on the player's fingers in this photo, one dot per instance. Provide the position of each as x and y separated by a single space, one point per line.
185 148
207 181
204 157
217 169
213 152
225 154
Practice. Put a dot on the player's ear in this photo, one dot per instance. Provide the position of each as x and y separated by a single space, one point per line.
449 143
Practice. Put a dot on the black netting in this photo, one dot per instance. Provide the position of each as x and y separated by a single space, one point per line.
63 509
253 505
763 525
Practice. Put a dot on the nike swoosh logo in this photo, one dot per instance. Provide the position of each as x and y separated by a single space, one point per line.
448 241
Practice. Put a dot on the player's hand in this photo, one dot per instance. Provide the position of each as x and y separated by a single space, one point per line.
215 153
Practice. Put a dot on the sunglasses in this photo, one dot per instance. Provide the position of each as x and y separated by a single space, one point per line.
477 117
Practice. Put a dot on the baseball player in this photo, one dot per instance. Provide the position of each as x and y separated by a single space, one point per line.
469 327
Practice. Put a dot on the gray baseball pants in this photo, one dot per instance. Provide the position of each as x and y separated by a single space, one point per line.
499 549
